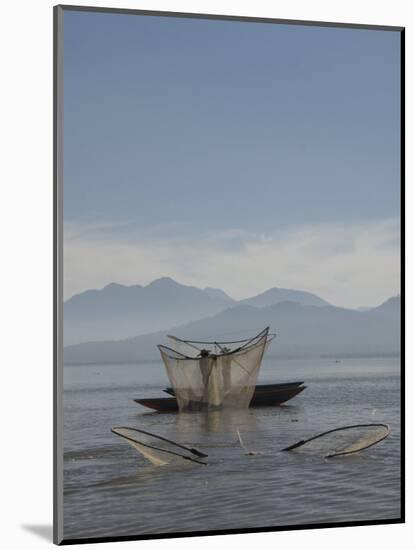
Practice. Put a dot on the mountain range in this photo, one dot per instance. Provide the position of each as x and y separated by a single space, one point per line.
117 311
305 325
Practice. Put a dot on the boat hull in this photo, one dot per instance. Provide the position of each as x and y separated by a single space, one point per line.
271 395
259 387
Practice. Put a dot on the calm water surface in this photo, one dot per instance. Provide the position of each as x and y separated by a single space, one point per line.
111 490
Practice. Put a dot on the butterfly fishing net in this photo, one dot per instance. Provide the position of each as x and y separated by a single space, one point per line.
157 449
213 375
342 441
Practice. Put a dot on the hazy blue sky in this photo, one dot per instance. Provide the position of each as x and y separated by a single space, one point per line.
219 138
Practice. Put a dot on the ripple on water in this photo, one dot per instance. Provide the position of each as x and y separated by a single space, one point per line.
111 490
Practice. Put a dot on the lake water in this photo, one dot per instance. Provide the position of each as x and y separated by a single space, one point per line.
112 490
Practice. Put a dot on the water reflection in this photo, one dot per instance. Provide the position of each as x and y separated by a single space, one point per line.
220 422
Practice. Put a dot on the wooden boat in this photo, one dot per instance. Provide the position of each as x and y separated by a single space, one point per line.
265 395
258 388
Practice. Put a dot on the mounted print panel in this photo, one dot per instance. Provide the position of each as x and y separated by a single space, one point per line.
228 346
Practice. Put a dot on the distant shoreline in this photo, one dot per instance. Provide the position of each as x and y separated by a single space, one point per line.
276 357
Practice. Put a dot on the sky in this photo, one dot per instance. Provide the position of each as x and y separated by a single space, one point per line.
231 154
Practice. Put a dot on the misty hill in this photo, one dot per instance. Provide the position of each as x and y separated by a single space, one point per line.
301 331
119 311
391 308
276 295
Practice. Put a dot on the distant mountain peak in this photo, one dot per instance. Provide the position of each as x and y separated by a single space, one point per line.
163 281
113 285
118 287
119 311
276 295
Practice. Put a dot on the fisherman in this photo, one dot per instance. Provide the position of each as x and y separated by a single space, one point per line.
204 365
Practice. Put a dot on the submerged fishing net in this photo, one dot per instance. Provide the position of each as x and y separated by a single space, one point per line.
157 449
342 441
212 375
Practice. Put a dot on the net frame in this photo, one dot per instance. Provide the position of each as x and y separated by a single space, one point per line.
194 344
133 441
343 428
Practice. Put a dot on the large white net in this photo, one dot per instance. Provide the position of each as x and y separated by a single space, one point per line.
342 441
213 375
